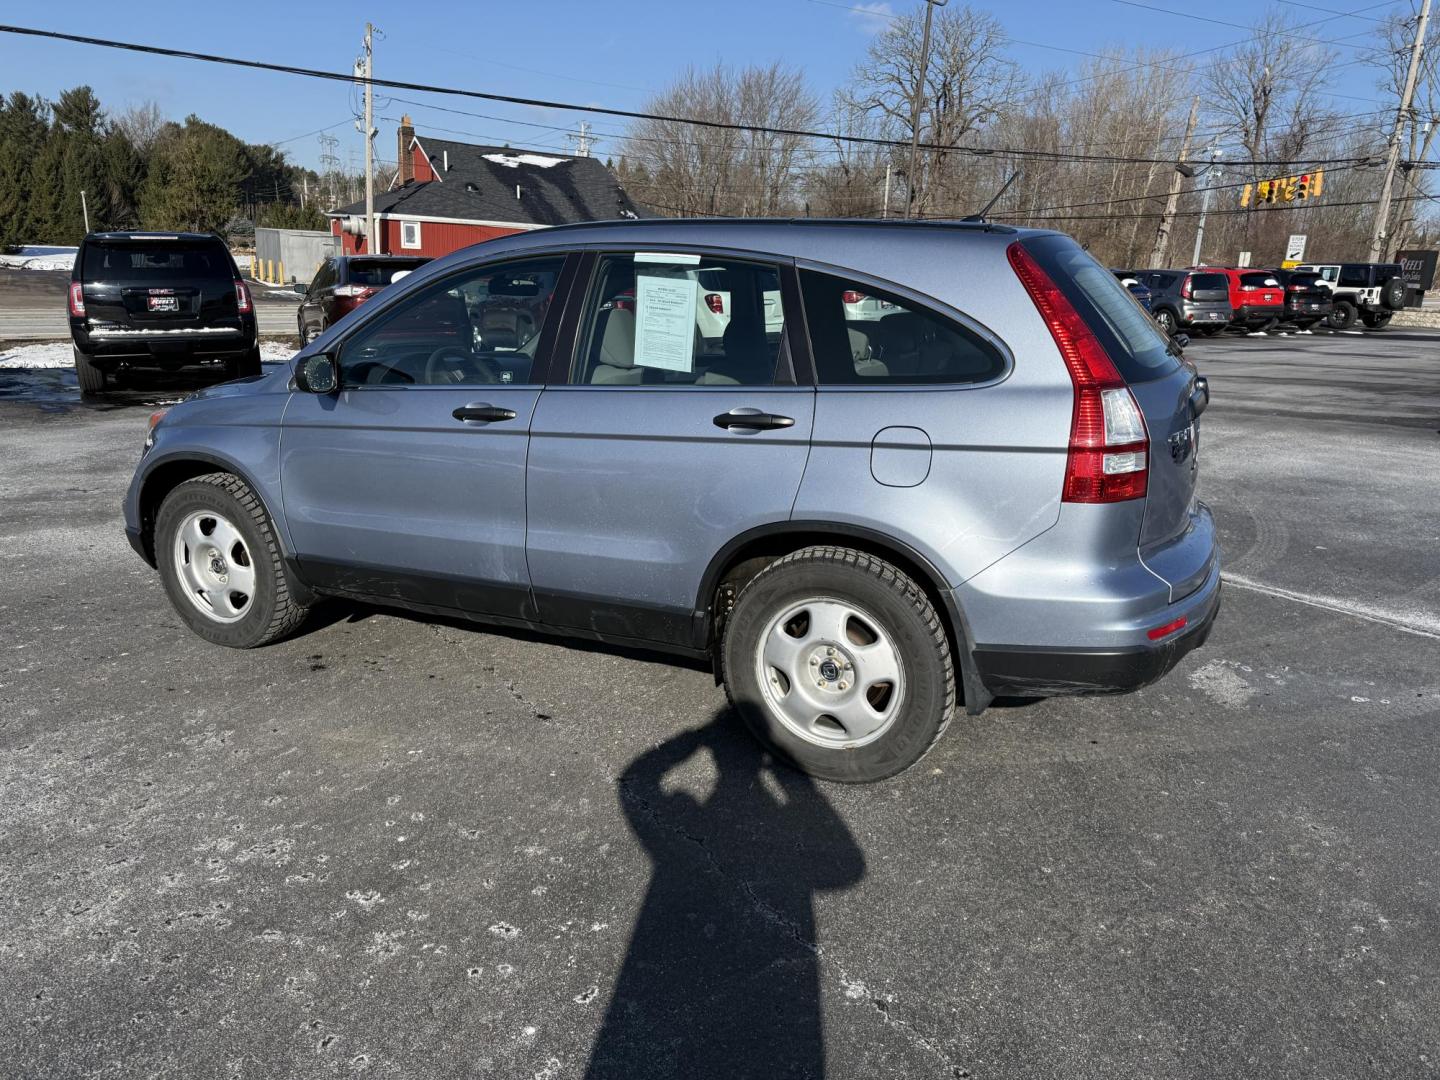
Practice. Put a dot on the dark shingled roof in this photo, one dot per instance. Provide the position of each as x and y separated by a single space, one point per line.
478 189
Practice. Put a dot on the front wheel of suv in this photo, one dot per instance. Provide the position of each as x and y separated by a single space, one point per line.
839 662
1343 315
90 377
221 564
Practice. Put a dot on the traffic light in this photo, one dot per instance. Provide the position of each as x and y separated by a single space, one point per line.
1302 186
1265 191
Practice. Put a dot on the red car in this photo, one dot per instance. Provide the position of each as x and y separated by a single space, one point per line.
343 283
1256 295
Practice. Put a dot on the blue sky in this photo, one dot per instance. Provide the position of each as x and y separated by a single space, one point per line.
610 52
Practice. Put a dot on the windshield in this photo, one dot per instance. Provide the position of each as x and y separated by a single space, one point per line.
142 261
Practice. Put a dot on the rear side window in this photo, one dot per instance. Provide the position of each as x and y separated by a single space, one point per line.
376 272
862 336
128 262
1355 276
1136 345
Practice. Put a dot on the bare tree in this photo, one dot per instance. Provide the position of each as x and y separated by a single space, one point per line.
1392 57
141 124
689 169
969 83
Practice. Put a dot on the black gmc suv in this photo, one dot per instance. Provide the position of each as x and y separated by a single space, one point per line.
159 300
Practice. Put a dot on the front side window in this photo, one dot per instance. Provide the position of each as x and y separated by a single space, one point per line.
861 336
481 326
654 319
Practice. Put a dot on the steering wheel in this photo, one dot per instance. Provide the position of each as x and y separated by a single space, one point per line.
454 364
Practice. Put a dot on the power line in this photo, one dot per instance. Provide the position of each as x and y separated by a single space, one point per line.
335 76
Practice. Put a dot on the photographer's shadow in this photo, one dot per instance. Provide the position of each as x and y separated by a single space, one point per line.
722 977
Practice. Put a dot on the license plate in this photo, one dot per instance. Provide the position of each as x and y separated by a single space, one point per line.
1213 316
164 303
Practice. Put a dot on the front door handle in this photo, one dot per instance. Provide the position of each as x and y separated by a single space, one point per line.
753 418
487 413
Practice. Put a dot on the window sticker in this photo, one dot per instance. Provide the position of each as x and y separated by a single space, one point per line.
665 321
663 257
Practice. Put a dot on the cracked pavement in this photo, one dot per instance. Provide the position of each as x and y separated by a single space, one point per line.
402 847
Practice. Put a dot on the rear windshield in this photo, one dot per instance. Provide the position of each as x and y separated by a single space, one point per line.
1209 281
381 272
1259 281
1304 281
140 261
1136 345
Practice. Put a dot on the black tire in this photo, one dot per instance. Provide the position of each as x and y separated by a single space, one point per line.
1392 293
905 616
1343 315
1376 320
90 377
244 367
1165 319
273 611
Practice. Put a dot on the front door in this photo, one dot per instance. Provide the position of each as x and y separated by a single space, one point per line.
678 428
409 484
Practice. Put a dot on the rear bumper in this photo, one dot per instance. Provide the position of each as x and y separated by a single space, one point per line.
1200 315
1302 312
1258 314
163 347
1043 671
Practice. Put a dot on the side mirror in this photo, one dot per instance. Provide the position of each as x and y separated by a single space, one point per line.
1199 396
1182 341
318 374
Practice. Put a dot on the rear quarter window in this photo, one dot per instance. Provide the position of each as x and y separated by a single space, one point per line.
1136 345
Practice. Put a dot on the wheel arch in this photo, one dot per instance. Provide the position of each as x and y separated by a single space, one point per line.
745 555
165 475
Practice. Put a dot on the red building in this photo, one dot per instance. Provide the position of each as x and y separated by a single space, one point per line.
448 195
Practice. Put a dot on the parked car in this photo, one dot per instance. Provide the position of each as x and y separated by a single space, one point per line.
852 556
1138 289
1371 292
1197 301
1307 300
158 300
1255 295
343 283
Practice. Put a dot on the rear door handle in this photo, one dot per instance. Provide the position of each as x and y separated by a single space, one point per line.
483 412
753 418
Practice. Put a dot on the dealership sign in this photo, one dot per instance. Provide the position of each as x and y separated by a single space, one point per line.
1418 268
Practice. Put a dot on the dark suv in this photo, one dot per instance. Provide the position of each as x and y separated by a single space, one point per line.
1193 300
160 300
343 283
1307 300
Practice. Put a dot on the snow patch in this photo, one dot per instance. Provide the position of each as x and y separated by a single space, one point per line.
48 355
1220 682
540 161
40 257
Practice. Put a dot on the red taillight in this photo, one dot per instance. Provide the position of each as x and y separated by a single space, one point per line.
1109 458
77 299
715 302
1166 630
242 297
850 296
357 292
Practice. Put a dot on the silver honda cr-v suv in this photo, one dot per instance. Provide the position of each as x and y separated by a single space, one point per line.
875 470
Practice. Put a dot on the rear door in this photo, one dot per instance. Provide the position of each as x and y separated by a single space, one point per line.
1176 539
409 484
661 443
156 284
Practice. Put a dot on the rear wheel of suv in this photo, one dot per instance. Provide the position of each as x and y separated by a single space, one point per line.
837 661
221 564
1165 319
90 377
1377 320
243 367
1342 315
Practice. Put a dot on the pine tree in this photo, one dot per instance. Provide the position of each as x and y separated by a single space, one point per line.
24 122
193 179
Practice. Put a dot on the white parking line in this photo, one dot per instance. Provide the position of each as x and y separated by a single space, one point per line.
1420 623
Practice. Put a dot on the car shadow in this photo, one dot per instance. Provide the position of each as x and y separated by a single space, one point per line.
722 974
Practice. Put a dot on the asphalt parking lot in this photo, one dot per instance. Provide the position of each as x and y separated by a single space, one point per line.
411 848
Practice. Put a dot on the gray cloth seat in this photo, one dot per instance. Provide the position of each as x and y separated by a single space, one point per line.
615 365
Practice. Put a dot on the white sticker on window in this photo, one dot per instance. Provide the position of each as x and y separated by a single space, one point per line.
665 322
662 257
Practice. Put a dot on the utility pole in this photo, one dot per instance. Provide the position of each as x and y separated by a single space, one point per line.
915 99
371 245
1379 241
1204 209
85 209
582 141
885 207
1161 251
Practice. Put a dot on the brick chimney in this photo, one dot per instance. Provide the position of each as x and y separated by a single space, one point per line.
404 134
